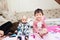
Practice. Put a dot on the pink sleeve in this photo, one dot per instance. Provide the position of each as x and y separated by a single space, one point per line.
35 28
44 25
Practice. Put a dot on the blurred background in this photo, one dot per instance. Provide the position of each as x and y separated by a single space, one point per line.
12 10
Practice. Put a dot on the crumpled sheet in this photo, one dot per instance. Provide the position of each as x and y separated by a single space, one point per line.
49 36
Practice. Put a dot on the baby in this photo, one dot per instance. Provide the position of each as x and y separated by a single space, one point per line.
23 28
39 25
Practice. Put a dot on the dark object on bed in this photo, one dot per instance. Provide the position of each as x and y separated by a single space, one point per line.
14 27
6 27
58 1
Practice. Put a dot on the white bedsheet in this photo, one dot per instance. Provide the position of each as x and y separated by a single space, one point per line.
49 36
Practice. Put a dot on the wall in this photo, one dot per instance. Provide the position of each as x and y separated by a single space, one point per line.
30 5
26 7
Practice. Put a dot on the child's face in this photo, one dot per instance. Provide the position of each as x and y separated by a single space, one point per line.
38 16
24 20
1 33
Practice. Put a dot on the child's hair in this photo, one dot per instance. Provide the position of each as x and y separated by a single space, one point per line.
24 17
38 11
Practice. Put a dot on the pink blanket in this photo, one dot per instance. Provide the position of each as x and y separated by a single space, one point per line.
53 28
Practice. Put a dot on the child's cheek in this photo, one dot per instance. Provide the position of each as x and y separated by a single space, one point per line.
1 35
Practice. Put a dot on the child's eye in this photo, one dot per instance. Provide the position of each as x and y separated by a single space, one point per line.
23 19
37 15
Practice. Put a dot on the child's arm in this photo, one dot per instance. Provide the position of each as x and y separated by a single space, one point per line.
44 25
19 29
43 30
35 28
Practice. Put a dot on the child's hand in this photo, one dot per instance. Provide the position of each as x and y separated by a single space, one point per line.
43 32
